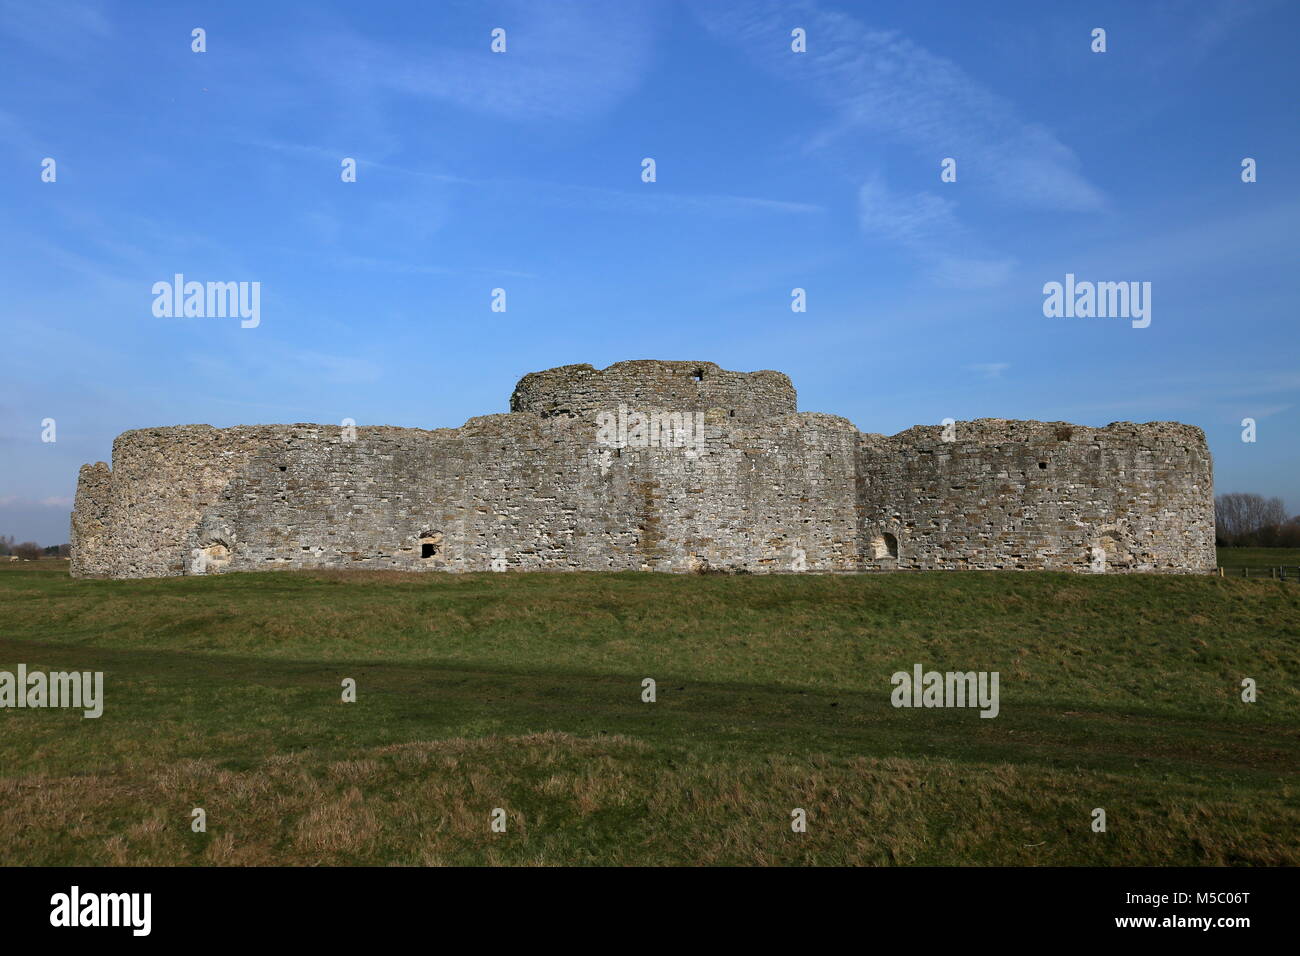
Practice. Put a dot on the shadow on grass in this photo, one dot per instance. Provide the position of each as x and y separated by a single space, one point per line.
237 709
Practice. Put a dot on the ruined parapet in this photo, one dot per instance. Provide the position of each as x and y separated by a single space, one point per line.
582 391
997 494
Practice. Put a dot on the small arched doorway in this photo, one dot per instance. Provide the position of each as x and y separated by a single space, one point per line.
884 546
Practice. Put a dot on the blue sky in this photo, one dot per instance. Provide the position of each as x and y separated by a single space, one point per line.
522 171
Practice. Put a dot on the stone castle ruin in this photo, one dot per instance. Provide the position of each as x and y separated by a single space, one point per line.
649 466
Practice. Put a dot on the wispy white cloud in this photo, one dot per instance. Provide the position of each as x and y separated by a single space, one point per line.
1200 28
1220 240
969 273
1223 397
289 366
61 28
882 84
566 60
925 224
643 200
990 369
15 134
655 200
917 219
335 155
338 369
52 501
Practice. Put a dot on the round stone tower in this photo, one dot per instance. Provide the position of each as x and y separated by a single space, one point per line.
582 390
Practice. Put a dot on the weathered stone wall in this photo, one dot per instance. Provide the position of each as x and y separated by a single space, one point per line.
162 481
1038 495
523 492
748 485
578 390
92 522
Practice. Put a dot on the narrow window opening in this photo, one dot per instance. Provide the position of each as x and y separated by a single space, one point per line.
1042 465
430 542
698 375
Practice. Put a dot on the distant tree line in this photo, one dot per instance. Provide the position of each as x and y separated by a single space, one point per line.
1253 521
30 550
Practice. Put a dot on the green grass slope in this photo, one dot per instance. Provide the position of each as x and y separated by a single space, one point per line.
523 691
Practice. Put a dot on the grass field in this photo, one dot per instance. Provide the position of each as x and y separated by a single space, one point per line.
523 691
1258 557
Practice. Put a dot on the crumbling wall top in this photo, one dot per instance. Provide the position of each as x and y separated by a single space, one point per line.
581 390
997 431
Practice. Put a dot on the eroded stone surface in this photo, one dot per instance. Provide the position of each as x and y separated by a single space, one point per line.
768 489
